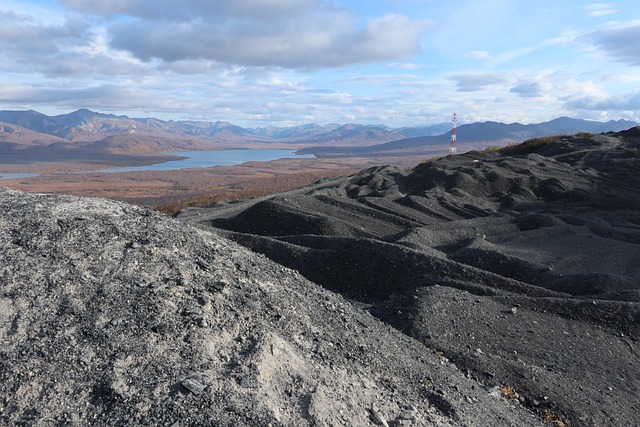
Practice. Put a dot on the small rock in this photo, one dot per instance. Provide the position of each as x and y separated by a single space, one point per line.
192 311
86 357
218 286
193 385
248 381
495 392
514 310
377 419
203 264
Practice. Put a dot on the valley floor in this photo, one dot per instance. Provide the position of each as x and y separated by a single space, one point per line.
171 190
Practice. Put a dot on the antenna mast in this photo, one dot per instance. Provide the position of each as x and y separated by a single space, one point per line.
453 148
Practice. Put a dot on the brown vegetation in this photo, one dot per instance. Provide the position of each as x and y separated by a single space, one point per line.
170 191
534 144
249 188
530 145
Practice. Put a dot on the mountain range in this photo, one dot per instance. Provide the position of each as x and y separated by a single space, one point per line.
31 128
475 136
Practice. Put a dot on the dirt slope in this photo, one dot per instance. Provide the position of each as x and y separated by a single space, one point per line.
524 269
114 315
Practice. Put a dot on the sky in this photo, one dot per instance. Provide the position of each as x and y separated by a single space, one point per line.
257 63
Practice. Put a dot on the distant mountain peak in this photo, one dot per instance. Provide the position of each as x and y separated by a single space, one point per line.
88 125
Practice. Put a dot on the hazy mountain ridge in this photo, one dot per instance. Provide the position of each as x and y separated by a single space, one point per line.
87 125
479 135
15 134
311 129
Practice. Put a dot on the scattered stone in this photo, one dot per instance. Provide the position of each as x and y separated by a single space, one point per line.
377 418
193 311
218 286
248 381
86 357
194 385
203 264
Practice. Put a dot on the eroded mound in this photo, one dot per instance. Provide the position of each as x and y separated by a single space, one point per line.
112 315
522 268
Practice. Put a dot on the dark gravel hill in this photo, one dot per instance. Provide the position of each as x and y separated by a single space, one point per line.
523 269
114 315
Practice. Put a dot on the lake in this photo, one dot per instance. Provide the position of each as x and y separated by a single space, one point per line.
196 159
4 176
204 159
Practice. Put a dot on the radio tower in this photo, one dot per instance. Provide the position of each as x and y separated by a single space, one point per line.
453 148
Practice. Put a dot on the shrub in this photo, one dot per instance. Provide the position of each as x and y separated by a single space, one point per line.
530 145
492 148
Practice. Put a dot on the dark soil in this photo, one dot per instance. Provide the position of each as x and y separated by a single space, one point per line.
115 315
524 270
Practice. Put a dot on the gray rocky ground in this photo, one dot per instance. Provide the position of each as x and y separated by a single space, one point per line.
522 269
114 315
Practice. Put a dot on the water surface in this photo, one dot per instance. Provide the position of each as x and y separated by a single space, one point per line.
204 159
5 176
195 159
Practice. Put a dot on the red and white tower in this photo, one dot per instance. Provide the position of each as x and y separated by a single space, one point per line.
453 148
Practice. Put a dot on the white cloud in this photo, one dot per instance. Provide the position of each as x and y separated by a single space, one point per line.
296 34
296 61
629 101
181 10
22 34
476 81
617 40
529 90
600 9
323 41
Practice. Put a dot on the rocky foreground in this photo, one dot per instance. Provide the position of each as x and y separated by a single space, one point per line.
507 289
521 267
114 315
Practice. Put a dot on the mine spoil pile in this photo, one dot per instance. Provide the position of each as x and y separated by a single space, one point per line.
476 290
521 267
